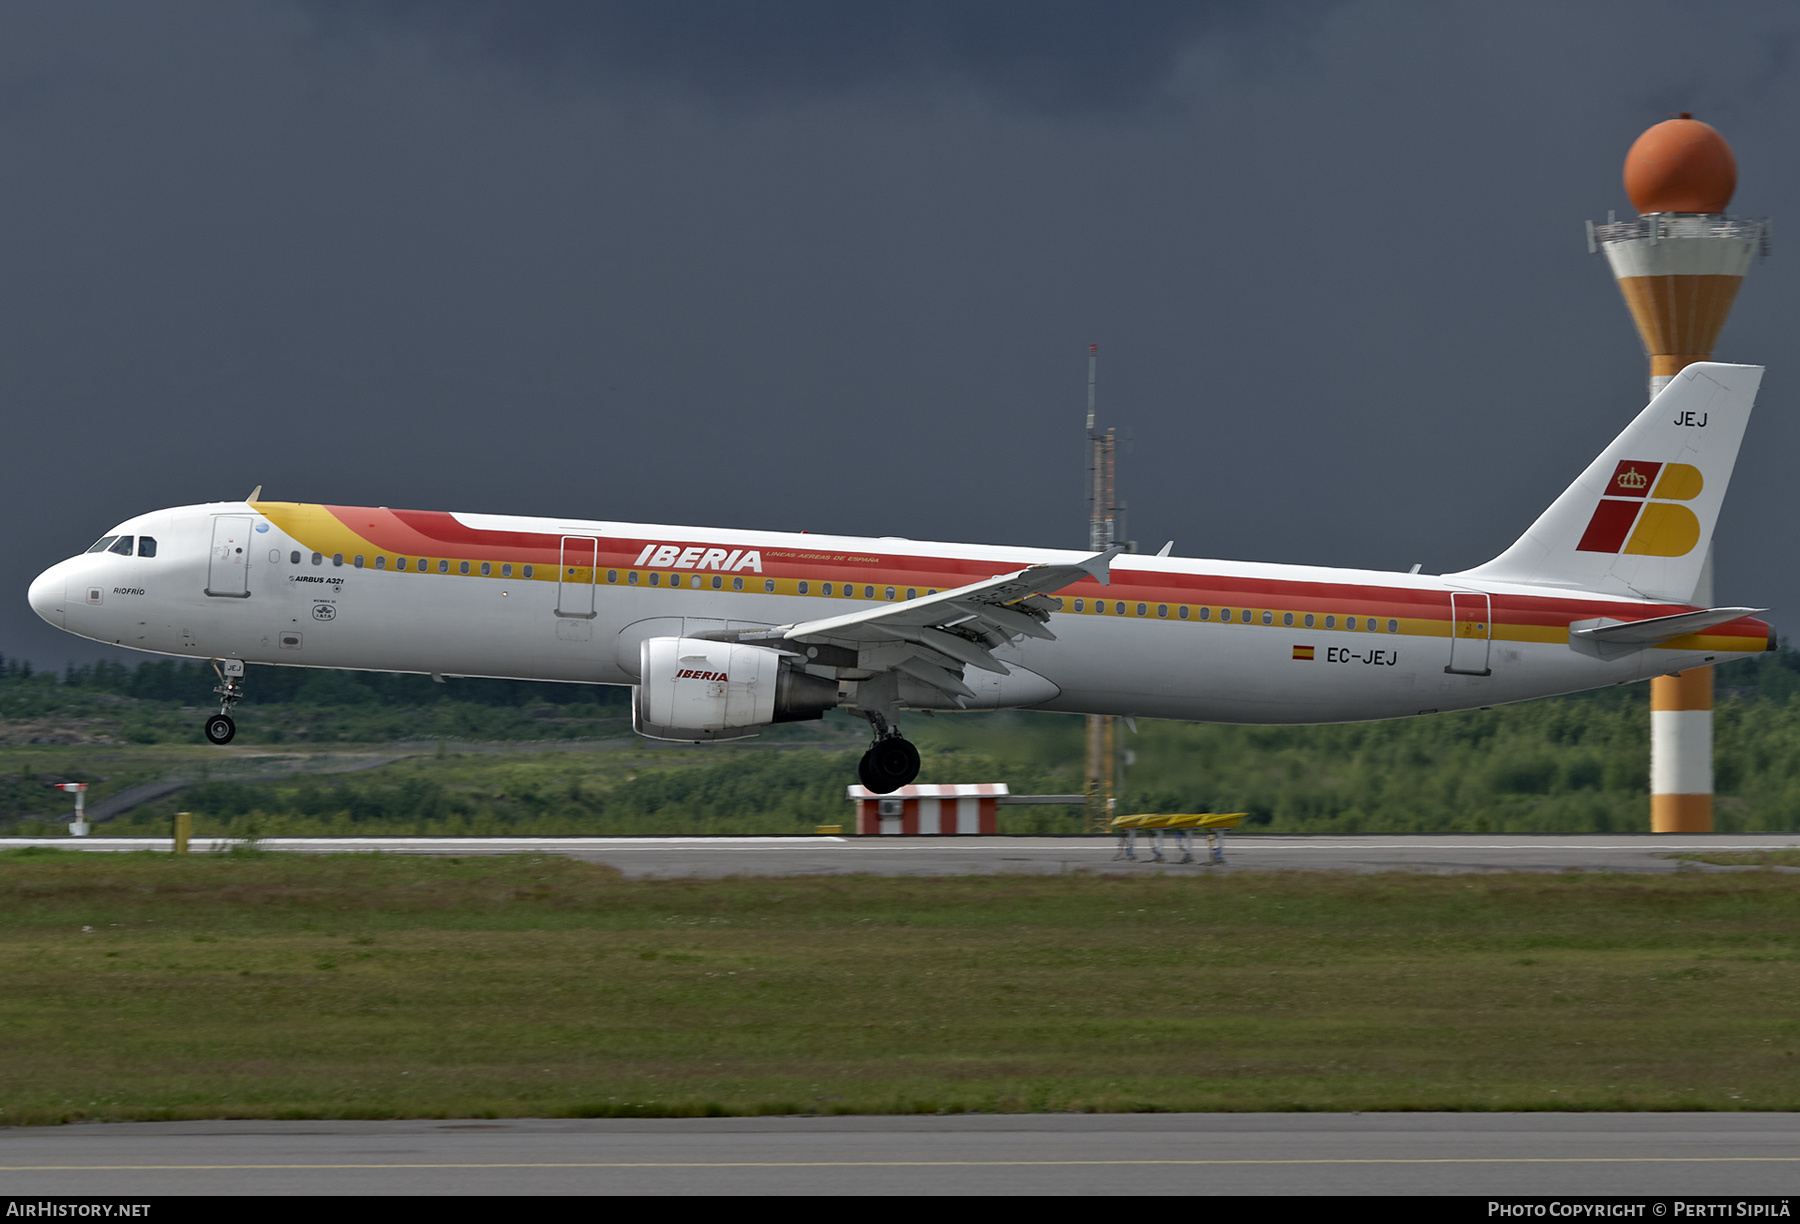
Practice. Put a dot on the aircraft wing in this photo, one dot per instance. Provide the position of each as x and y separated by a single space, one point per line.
933 637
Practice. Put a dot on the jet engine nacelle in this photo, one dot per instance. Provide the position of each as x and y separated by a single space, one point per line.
694 689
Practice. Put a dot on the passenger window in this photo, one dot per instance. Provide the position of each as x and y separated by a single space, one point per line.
890 592
359 561
122 546
318 558
1162 610
487 569
631 579
1309 620
1142 609
912 593
769 585
1287 618
868 592
1349 622
1245 617
1393 626
506 571
102 544
1100 606
1205 613
803 589
611 575
527 571
146 546
717 582
1119 609
826 589
380 563
337 558
1268 618
737 584
462 567
274 556
655 578
1184 611
444 567
1331 622
294 559
1081 605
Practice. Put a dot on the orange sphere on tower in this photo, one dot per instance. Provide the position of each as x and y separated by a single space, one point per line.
1680 166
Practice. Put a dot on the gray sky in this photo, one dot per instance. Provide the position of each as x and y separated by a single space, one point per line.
836 267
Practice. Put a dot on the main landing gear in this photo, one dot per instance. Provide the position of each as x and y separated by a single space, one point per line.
220 728
891 761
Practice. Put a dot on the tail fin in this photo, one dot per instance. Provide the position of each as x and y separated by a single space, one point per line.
1639 521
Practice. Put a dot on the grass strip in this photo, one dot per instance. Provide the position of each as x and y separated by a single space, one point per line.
144 986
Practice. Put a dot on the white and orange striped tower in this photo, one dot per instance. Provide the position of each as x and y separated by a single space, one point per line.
1679 265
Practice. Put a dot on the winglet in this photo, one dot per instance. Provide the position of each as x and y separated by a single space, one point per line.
255 494
1099 566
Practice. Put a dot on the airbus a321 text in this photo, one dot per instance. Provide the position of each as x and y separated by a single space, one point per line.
722 632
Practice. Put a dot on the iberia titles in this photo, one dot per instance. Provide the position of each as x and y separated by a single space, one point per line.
674 556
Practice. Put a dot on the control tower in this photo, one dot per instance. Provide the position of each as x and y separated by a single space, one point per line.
1679 265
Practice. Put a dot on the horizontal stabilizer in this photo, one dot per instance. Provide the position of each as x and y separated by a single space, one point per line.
1660 629
1607 639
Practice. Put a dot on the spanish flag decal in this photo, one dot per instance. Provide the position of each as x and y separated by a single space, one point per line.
1303 652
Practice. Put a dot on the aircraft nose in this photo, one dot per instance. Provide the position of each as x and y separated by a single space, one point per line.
47 594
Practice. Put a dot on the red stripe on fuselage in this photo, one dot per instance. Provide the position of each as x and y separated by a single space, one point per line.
437 533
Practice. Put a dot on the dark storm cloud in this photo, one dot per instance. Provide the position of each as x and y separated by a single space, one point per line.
1057 55
841 273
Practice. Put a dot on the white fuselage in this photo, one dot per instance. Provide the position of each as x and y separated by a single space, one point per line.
304 589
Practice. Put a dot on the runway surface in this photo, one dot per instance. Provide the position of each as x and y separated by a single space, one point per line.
927 856
1480 1154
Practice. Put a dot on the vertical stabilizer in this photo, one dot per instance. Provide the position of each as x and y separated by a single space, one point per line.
1640 520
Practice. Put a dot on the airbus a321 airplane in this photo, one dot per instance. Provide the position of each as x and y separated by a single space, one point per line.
722 632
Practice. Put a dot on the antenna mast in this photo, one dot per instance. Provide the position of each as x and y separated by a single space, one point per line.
1105 526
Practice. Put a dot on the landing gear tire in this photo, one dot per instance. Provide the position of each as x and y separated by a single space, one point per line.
220 729
889 764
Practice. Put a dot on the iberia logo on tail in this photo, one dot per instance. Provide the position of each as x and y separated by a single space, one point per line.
1640 511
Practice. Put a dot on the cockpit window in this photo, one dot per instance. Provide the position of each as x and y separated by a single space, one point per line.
122 546
146 546
102 544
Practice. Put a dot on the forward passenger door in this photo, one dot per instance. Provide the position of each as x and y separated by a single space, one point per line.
228 571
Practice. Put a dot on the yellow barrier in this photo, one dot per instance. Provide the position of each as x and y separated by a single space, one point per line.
183 830
1191 820
828 830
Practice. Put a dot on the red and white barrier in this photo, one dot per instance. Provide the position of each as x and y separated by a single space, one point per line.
926 811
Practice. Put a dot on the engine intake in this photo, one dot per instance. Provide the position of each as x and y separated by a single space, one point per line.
694 689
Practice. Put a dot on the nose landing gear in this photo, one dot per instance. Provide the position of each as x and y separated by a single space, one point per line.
220 728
